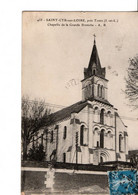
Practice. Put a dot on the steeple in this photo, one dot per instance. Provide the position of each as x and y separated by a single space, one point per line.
94 67
94 39
94 84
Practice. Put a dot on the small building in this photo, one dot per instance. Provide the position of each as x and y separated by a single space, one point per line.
133 157
91 130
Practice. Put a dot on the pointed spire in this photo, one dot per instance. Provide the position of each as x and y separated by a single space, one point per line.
94 67
94 39
94 59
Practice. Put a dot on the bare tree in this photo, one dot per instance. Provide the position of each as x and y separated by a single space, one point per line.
131 90
34 116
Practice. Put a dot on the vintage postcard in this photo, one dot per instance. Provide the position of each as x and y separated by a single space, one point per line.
79 103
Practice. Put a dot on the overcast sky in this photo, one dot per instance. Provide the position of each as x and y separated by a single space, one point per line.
54 55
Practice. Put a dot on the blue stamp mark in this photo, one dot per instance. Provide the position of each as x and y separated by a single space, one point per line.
123 182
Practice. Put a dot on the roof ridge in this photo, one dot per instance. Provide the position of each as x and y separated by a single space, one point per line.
65 112
68 107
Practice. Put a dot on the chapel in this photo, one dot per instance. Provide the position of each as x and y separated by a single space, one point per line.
89 131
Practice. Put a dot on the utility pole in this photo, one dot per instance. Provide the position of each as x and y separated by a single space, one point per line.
46 143
76 147
57 127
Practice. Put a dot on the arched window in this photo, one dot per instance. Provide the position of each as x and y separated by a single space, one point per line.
65 133
82 135
95 130
96 137
109 133
109 113
64 157
102 139
102 91
98 90
109 143
102 116
101 159
120 142
109 121
94 71
96 109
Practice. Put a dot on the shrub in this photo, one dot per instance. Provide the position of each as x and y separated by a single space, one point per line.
36 153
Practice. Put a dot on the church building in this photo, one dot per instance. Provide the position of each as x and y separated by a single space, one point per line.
91 130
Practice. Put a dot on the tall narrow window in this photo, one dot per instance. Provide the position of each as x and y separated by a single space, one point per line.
101 159
109 121
102 91
82 135
94 71
110 141
52 135
98 90
65 133
102 116
102 138
64 157
120 142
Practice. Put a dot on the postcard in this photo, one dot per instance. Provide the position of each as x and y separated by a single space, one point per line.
79 102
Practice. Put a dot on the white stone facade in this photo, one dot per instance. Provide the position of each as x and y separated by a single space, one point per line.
90 131
90 151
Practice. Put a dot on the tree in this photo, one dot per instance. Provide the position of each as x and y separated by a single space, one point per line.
36 153
34 116
131 90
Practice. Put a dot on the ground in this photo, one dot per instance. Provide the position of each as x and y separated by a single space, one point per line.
33 183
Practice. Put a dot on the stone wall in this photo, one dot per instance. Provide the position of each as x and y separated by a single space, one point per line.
33 181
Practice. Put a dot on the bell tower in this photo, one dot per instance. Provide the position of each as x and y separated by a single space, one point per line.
94 84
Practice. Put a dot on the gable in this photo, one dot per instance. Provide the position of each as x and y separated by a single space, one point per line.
65 112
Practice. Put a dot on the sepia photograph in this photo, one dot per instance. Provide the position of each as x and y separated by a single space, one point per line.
79 107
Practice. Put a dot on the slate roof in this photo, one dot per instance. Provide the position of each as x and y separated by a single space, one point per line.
74 108
66 112
101 100
94 62
94 59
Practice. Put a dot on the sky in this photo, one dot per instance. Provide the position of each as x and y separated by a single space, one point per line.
56 46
